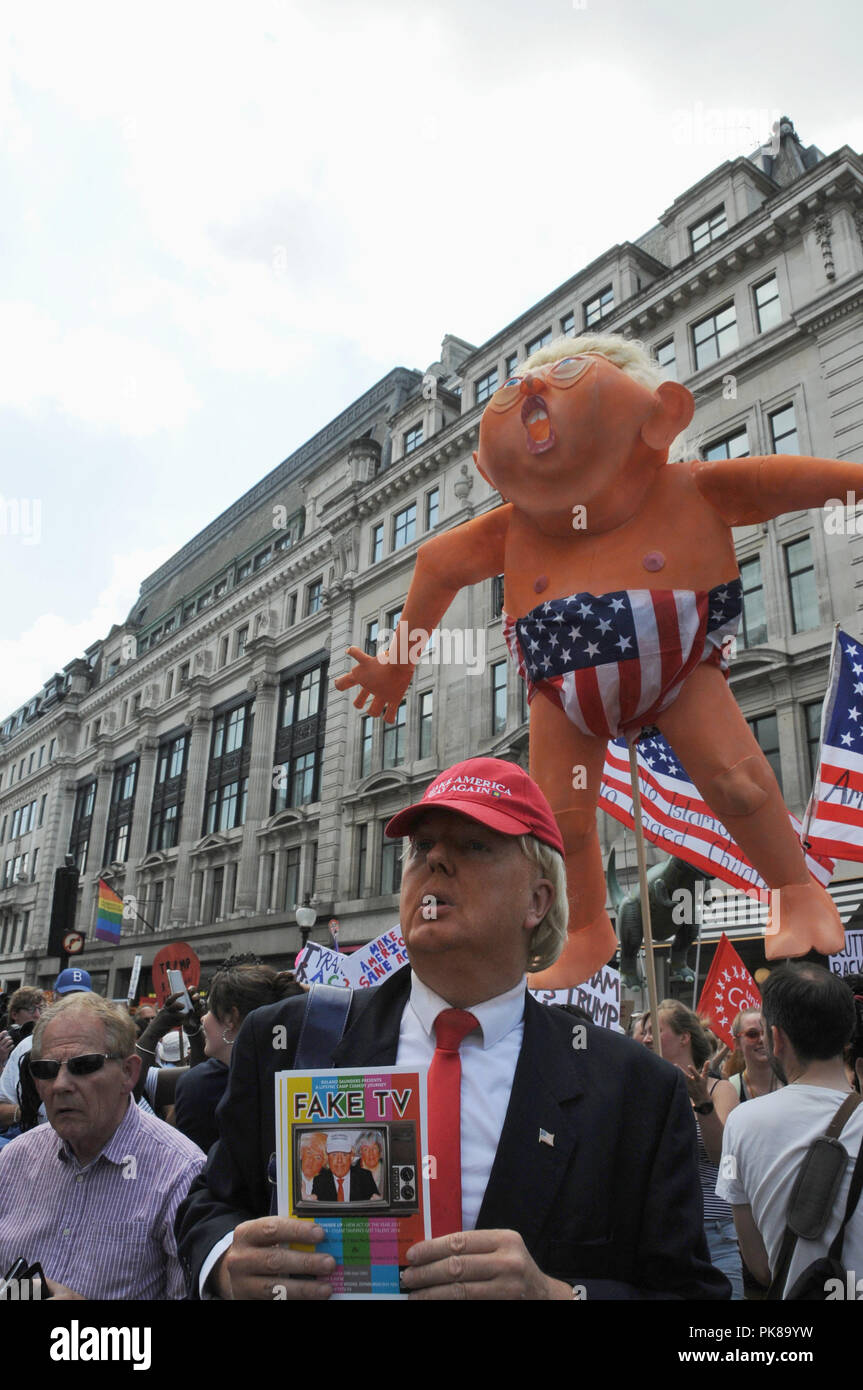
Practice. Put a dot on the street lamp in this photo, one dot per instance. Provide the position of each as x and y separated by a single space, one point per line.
306 918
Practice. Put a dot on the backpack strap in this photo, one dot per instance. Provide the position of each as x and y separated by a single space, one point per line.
789 1240
854 1191
323 1024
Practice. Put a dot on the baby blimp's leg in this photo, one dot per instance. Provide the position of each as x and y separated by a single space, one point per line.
568 765
707 731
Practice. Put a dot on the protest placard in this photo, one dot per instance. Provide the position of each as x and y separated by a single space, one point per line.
318 965
850 960
599 996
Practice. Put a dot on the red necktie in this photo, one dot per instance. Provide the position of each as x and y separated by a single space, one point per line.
444 1102
341 1193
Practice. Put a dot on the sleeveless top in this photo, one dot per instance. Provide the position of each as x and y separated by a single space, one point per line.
715 1209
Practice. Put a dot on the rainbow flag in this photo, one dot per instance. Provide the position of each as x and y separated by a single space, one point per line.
109 916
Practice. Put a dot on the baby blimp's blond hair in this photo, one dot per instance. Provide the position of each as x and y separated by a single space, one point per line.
629 354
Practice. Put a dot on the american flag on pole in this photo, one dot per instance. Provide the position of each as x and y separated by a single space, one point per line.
613 660
728 990
833 822
675 817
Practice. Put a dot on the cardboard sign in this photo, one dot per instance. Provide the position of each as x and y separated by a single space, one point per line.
177 956
317 965
375 962
850 960
599 996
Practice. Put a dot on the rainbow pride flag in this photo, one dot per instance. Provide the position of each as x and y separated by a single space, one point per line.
109 916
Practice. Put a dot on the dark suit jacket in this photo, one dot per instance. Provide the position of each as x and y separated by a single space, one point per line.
362 1185
613 1203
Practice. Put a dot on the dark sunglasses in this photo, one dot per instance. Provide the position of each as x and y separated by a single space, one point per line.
751 1033
47 1069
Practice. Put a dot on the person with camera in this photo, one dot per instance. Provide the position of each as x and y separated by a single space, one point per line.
25 1006
70 981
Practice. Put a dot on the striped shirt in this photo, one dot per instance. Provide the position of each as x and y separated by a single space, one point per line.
105 1230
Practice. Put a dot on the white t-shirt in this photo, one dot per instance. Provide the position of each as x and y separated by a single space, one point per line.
767 1139
11 1075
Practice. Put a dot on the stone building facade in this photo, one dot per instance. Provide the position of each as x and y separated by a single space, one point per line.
199 758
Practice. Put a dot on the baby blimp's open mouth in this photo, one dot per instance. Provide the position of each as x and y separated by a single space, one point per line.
537 422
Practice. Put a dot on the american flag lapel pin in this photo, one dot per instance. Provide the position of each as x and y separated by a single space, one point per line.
546 1138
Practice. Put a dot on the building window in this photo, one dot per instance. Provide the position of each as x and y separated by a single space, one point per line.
42 808
767 307
370 642
733 446
714 336
766 731
486 386
377 543
498 697
812 719
426 708
413 439
117 849
241 637
541 341
244 570
292 610
393 619
391 864
303 778
783 431
404 526
155 903
666 358
361 848
394 738
567 325
367 727
165 827
261 559
292 877
314 593
432 508
754 626
224 644
599 306
511 364
708 229
300 738
800 568
497 596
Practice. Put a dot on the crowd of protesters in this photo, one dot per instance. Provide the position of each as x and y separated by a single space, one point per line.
797 1060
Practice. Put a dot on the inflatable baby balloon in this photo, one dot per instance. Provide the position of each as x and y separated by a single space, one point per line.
622 595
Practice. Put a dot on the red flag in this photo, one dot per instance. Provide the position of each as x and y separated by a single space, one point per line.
728 989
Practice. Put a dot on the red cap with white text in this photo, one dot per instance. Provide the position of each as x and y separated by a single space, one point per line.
496 793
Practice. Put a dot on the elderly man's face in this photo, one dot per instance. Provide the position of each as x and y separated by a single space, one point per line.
469 902
312 1159
340 1163
85 1110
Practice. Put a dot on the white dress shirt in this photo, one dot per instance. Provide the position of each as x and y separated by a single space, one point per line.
489 1056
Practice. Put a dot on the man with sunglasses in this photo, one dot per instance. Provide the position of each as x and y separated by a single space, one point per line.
92 1195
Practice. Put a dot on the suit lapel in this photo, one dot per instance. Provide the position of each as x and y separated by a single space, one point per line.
371 1038
539 1132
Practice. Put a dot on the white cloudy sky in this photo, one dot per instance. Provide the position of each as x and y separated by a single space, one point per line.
221 223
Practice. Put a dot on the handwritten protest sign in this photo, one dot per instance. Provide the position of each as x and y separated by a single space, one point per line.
178 955
850 960
378 960
599 996
317 965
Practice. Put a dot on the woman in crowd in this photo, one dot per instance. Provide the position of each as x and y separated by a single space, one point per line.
239 986
748 1068
686 1044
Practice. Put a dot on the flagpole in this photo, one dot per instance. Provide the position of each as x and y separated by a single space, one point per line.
826 715
647 933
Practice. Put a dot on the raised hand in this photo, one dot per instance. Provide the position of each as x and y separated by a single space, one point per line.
385 681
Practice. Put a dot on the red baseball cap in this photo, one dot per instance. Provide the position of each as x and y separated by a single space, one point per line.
498 794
